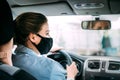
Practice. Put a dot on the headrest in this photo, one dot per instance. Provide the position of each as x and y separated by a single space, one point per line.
6 22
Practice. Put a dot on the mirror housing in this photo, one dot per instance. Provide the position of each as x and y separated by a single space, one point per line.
96 25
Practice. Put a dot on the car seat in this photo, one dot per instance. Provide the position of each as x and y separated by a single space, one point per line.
13 73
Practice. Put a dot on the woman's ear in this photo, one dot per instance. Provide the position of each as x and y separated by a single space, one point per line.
32 37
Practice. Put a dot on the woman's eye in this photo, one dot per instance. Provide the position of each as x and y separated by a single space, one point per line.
47 34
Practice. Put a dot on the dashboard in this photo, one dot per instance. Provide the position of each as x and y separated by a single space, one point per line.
97 67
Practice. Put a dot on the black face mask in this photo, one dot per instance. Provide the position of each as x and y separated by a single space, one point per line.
45 44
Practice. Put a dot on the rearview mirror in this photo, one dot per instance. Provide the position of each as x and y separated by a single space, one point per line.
96 25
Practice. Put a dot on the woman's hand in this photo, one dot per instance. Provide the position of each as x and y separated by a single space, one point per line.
72 71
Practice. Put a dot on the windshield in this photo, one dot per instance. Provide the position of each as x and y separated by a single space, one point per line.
67 33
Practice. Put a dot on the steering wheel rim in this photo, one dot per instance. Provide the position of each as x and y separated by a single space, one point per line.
62 53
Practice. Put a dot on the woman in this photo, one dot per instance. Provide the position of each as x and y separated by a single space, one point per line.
33 39
101 25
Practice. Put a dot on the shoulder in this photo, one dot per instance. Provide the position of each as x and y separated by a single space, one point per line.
22 59
23 53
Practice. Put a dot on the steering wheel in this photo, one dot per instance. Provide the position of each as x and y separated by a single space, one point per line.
62 57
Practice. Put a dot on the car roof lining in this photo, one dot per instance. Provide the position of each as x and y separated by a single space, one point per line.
84 7
30 2
53 9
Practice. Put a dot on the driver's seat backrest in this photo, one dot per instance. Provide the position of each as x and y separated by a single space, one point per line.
13 73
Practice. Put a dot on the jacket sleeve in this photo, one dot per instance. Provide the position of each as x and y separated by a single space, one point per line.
58 72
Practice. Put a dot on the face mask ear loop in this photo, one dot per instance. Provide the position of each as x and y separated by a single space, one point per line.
39 36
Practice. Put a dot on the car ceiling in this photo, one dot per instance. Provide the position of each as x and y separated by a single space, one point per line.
67 7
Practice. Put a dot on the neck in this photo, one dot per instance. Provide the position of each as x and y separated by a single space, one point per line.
7 60
6 49
30 45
